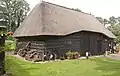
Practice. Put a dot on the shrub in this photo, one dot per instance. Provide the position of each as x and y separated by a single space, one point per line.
72 55
69 55
9 45
10 38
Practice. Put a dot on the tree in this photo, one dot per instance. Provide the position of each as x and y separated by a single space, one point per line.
113 21
106 22
13 12
101 20
115 27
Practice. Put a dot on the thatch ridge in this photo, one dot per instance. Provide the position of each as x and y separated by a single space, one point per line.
65 7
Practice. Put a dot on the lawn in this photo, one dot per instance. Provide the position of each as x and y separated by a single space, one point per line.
91 67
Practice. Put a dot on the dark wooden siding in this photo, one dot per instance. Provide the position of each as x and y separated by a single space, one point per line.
80 42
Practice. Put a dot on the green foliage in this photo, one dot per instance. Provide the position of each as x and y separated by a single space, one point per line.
114 23
69 55
102 21
10 38
13 12
72 55
9 45
115 27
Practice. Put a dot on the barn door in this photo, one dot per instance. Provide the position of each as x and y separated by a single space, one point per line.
84 43
99 46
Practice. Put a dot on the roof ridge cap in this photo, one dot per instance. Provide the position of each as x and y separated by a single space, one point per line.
66 7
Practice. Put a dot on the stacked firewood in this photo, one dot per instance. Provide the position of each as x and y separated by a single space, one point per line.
29 54
33 55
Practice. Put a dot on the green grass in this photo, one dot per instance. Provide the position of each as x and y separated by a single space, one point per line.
91 67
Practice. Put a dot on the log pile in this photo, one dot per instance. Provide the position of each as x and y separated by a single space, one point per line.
33 55
34 51
29 54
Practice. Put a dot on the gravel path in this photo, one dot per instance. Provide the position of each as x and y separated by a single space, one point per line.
11 53
114 56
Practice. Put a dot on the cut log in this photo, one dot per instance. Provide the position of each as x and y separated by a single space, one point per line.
30 54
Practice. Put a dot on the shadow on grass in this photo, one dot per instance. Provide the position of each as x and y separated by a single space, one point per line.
108 66
16 68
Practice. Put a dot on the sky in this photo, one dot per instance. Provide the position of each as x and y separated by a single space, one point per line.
99 8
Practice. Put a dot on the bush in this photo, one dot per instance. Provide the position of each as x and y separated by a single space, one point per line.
72 55
10 38
69 55
9 45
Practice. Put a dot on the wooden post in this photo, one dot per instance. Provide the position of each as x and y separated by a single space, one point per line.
2 67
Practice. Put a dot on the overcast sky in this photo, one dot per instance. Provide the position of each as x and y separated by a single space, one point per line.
101 8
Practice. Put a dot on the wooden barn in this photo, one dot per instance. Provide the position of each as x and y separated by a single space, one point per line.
58 29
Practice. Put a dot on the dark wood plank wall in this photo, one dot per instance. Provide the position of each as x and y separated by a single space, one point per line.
94 43
80 42
63 44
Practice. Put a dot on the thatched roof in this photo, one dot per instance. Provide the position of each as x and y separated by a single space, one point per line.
51 19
